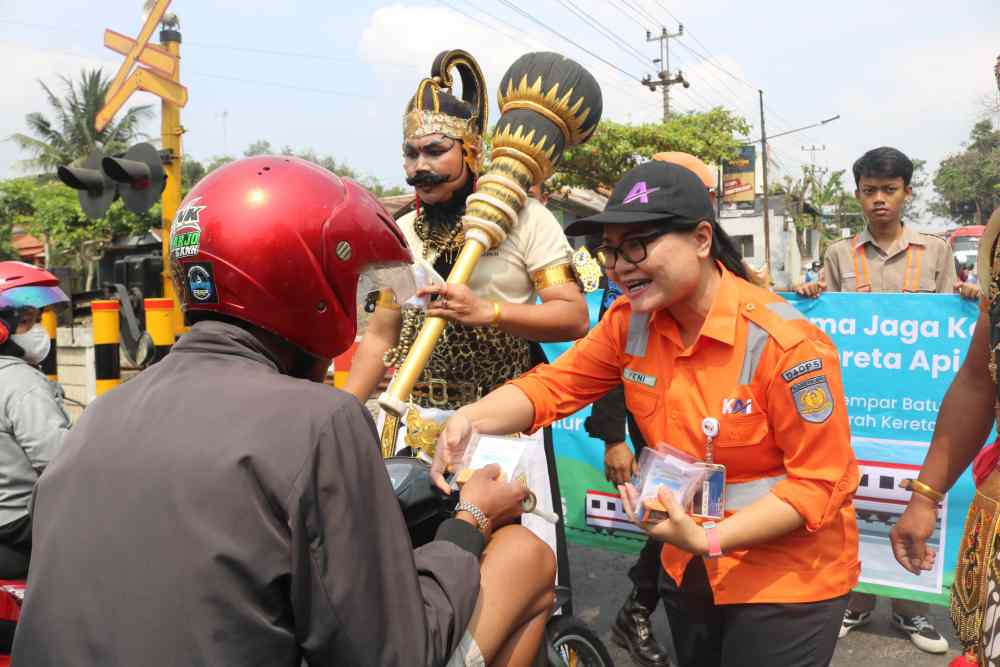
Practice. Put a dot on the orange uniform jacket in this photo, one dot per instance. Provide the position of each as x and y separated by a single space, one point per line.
773 381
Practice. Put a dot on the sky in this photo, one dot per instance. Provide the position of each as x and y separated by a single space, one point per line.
335 76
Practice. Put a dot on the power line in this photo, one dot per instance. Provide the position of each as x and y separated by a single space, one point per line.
618 41
623 12
277 84
485 24
503 22
531 18
255 82
641 12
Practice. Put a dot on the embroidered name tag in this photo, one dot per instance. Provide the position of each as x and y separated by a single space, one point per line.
803 368
635 376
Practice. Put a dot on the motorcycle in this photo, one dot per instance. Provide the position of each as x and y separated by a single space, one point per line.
568 642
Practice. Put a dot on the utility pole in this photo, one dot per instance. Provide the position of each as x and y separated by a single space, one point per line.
767 222
664 74
812 150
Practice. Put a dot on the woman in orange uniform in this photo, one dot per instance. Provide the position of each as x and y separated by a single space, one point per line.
767 584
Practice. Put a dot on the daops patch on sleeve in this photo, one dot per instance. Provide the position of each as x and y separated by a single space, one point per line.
813 399
803 368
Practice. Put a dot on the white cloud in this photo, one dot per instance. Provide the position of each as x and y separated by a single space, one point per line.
397 43
24 67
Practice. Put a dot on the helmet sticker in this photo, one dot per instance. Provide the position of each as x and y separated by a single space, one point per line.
185 232
200 283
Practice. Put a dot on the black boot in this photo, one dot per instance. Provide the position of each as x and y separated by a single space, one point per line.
633 631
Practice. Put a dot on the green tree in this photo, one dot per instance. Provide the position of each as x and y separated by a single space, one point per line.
817 200
615 148
264 147
70 135
968 183
51 211
192 171
259 147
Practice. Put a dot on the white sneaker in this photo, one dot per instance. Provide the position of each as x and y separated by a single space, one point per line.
853 619
921 632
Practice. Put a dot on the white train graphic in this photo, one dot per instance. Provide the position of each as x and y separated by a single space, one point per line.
605 513
879 498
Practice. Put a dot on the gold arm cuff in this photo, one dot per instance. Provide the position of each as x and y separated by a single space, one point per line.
553 276
386 299
916 486
496 314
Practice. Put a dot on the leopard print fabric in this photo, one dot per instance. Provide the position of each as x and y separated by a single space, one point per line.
480 355
483 356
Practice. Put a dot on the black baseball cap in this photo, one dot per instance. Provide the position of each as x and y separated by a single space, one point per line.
654 191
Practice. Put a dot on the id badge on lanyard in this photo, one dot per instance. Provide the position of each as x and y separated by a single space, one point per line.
710 500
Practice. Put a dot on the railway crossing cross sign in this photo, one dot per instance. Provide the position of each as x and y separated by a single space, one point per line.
157 77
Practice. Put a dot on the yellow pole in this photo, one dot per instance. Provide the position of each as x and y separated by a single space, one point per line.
160 325
107 363
50 365
171 131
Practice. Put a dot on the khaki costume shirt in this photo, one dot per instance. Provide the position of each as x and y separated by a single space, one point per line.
504 273
914 262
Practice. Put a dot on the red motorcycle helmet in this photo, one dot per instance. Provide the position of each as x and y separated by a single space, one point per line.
283 244
25 286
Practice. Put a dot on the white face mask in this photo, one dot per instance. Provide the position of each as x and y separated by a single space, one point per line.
35 343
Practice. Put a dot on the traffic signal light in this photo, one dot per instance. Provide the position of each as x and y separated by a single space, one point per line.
137 176
97 190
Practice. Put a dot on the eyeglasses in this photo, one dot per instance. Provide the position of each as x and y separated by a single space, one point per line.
633 249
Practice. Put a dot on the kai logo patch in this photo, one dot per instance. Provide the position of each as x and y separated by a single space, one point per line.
802 369
813 399
185 232
636 376
737 406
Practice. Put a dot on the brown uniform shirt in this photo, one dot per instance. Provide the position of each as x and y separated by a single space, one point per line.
915 262
212 511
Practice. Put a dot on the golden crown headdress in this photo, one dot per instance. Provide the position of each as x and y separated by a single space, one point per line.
434 110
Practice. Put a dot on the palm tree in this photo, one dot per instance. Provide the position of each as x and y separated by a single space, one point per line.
71 135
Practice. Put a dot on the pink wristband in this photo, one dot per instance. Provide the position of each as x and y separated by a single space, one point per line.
714 548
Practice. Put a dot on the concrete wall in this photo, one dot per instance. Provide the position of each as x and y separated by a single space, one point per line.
786 262
75 357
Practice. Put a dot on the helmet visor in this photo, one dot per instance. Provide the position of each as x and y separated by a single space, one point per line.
32 296
397 279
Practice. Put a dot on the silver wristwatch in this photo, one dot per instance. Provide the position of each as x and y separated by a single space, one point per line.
481 519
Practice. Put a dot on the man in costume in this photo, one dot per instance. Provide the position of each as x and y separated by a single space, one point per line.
968 412
492 320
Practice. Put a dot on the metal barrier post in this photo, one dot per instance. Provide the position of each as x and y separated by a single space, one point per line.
50 365
107 363
160 325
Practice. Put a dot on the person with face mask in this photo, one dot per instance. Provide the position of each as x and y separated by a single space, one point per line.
32 419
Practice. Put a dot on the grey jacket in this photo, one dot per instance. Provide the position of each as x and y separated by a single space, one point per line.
212 511
32 426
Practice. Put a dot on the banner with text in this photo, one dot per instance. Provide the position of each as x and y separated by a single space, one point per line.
898 354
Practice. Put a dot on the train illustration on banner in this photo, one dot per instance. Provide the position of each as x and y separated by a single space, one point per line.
878 499
606 513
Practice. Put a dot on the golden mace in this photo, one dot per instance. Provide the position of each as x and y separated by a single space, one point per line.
547 103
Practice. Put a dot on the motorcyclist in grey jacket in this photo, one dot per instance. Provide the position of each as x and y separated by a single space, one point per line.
32 419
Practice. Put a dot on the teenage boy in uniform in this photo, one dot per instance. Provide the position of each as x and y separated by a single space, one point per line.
889 257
